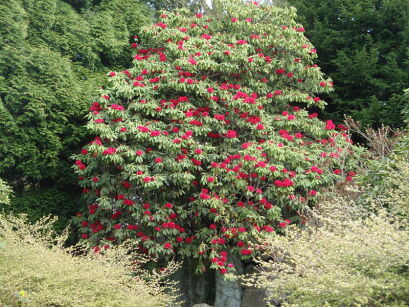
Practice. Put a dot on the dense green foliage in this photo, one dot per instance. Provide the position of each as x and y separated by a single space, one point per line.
52 59
363 46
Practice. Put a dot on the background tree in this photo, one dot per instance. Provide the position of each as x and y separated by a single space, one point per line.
51 62
363 45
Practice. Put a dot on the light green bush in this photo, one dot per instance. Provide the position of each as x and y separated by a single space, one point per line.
385 181
35 270
345 257
393 192
5 192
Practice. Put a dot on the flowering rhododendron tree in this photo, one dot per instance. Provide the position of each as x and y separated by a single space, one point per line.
205 145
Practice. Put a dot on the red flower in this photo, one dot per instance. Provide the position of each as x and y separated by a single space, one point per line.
126 184
116 215
80 165
109 151
169 205
231 134
128 202
206 36
204 196
329 125
246 252
196 162
93 208
154 80
132 227
155 133
192 61
268 228
283 184
167 245
313 193
161 25
117 107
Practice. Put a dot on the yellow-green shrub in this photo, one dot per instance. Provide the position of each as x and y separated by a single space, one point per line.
35 270
388 186
5 192
346 257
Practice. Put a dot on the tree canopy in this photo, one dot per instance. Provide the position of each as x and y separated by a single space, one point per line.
363 46
51 62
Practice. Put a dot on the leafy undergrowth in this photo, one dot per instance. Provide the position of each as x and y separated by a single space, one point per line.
345 256
36 270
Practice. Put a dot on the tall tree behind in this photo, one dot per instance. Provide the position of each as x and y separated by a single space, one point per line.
52 59
168 5
363 46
